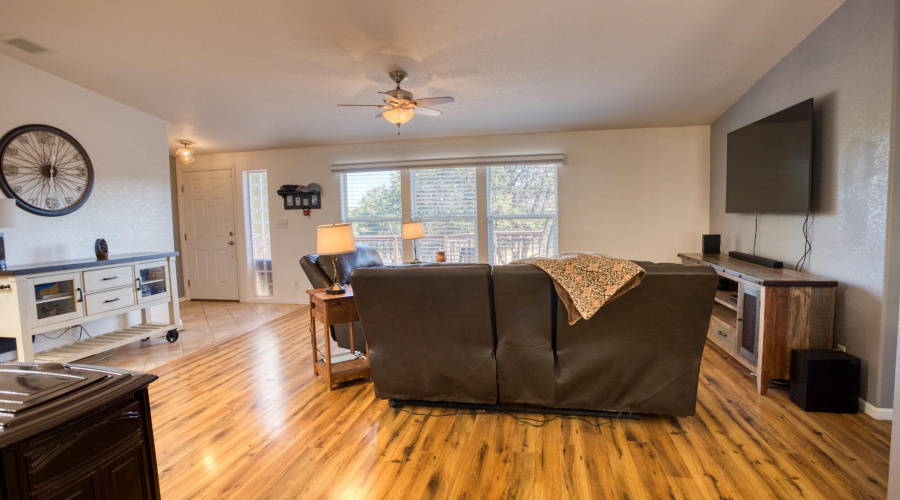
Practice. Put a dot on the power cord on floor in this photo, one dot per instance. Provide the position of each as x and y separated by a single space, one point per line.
532 421
104 358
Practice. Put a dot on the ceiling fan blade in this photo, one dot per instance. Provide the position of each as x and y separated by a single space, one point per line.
427 111
433 101
387 97
379 115
364 105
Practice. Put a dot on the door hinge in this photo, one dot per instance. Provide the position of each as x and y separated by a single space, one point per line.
182 188
185 236
189 282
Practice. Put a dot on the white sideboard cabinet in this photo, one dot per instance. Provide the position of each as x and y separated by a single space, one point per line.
41 298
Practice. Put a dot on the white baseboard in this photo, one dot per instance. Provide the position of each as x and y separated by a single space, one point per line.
184 299
875 412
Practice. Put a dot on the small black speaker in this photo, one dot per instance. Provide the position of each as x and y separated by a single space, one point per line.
712 243
825 381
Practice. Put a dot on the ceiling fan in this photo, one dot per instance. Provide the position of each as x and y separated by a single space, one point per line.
400 105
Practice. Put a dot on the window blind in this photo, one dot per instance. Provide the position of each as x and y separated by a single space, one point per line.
479 161
444 200
371 202
522 212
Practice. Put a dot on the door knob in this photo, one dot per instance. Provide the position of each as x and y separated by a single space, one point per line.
231 242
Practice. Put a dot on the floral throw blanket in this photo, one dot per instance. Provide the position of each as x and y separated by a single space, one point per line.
586 281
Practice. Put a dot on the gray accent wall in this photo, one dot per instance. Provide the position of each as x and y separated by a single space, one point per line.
846 65
894 225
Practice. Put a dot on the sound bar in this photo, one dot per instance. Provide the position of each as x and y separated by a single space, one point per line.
756 259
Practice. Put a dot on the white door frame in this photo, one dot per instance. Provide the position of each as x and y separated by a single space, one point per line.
241 251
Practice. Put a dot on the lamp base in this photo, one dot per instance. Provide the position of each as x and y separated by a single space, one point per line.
416 261
335 289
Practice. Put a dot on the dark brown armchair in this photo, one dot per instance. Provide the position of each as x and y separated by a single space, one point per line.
320 269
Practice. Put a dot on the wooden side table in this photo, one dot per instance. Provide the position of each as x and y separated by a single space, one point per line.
333 310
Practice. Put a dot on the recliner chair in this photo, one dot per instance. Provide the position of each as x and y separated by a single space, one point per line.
320 269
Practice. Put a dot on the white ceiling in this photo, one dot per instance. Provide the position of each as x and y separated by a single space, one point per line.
246 75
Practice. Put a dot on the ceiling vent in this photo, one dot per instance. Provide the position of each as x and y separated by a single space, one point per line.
19 42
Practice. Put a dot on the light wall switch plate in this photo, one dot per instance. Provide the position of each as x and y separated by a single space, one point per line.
282 224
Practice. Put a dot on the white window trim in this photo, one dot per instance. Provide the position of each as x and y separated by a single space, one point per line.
481 195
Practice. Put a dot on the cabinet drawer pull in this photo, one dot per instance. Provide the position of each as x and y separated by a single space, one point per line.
111 300
110 278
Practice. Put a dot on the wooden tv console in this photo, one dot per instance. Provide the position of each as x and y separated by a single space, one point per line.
764 313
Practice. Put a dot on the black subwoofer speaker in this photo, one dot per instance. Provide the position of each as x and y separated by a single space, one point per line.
712 243
825 381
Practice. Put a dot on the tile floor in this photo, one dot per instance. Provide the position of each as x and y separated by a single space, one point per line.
206 322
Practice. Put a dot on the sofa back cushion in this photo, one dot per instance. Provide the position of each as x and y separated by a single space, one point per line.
430 331
640 353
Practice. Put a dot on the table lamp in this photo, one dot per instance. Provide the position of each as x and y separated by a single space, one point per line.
413 231
7 221
335 239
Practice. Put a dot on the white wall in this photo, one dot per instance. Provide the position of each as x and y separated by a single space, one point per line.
130 204
639 193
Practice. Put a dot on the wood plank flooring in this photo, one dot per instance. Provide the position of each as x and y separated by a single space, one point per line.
246 419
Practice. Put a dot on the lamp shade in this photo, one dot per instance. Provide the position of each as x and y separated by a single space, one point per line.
7 213
332 239
413 230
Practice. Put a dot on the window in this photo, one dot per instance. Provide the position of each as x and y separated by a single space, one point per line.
371 202
260 240
444 200
516 219
521 212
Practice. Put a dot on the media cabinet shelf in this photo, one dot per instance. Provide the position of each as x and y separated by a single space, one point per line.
777 310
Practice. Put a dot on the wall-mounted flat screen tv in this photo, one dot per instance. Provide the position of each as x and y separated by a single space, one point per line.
770 164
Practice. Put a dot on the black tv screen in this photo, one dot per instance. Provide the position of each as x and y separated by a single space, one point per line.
770 164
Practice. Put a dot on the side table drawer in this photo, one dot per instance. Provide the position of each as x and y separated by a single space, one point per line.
341 311
107 301
106 279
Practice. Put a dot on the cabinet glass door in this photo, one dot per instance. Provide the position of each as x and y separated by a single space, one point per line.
749 321
152 281
57 298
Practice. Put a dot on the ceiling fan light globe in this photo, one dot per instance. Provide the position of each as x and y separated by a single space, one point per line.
399 116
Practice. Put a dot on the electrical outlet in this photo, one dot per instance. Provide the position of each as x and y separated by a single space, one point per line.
841 348
282 224
296 285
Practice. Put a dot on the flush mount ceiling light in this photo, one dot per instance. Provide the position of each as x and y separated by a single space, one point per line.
185 155
400 106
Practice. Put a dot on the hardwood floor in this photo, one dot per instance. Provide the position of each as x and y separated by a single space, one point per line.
246 419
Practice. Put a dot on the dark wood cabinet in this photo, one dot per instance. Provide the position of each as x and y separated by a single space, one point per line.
95 441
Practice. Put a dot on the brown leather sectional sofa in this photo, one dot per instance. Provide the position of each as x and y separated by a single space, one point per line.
499 336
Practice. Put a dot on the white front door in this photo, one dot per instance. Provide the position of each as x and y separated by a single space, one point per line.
209 226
